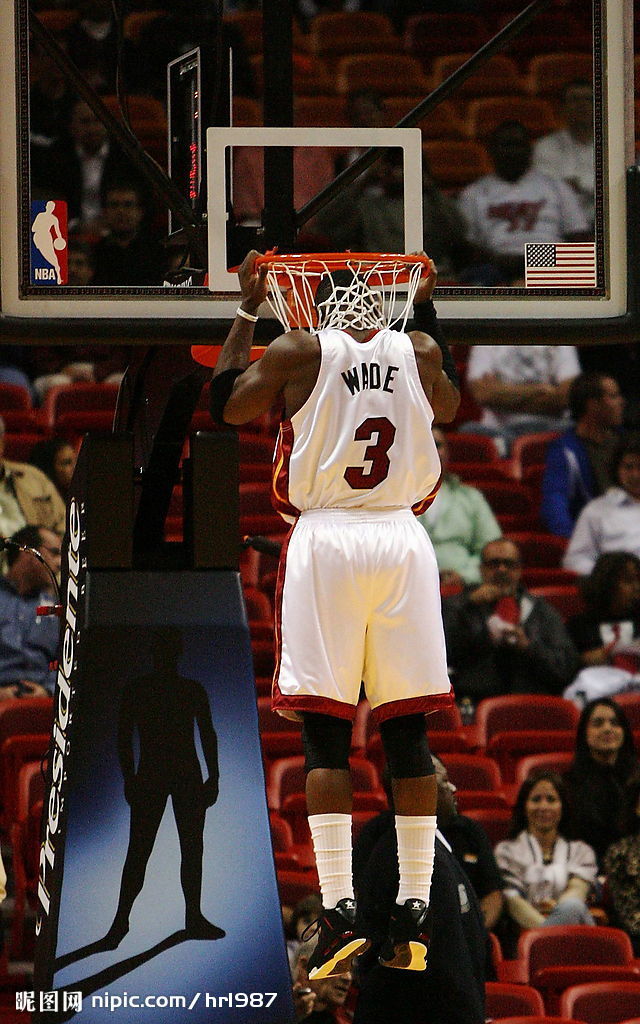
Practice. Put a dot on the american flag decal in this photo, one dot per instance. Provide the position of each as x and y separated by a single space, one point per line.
560 265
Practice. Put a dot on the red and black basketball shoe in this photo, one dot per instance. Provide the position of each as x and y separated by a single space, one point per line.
408 940
338 943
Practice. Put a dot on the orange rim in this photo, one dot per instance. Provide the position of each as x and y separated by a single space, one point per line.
316 264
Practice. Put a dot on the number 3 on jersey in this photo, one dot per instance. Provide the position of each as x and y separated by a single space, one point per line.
376 453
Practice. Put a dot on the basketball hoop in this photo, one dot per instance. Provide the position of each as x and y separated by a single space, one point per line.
366 301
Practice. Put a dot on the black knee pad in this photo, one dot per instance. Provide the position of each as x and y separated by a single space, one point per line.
406 747
326 741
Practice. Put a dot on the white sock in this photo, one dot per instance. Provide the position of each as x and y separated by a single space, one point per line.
416 842
331 835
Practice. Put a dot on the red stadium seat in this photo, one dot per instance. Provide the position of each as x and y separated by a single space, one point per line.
76 422
473 771
514 725
14 398
18 447
471 448
512 712
510 502
287 776
281 834
539 548
280 737
630 704
504 999
601 1002
25 846
486 113
544 1019
565 598
554 958
428 36
14 752
477 780
529 450
293 886
258 606
475 473
77 397
554 760
496 821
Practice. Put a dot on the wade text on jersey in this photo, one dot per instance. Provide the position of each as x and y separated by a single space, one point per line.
369 376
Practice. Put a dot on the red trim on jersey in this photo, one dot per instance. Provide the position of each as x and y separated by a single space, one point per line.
413 706
277 611
280 478
423 505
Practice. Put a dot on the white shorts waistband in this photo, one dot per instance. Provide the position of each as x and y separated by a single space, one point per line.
357 515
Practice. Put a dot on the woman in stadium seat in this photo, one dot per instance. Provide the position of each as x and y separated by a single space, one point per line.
547 877
604 762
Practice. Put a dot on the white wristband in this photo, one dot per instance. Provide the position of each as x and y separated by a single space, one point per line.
246 316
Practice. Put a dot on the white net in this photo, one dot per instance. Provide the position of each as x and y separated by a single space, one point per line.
365 293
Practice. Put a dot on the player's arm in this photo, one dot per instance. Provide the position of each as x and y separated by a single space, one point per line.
239 391
435 363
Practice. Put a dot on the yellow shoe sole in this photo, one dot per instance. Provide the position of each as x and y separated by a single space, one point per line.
341 962
408 956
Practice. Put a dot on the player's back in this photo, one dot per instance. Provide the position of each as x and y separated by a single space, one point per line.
363 437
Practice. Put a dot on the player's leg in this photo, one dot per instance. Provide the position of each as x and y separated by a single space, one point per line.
327 740
414 798
405 677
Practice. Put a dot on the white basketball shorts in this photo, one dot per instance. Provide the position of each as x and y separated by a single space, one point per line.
358 600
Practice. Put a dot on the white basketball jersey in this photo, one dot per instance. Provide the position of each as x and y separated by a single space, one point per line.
363 437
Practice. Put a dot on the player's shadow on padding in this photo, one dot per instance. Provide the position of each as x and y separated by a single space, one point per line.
108 975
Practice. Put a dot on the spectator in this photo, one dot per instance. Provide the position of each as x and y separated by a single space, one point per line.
129 254
471 848
28 641
516 204
603 764
459 523
607 633
451 990
622 867
364 108
622 359
51 98
369 215
27 496
330 993
76 167
180 28
57 460
547 877
467 839
80 267
568 155
522 389
612 521
306 911
502 639
93 44
578 464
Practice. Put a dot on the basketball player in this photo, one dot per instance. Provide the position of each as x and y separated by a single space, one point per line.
45 242
358 593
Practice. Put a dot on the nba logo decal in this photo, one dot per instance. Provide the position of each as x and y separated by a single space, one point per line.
49 242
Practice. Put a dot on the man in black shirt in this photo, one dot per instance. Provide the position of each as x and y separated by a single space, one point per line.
451 990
